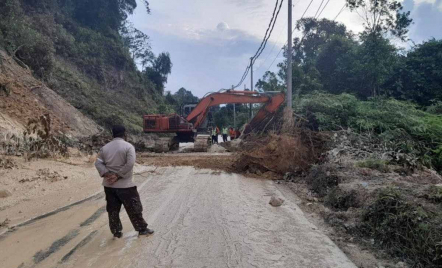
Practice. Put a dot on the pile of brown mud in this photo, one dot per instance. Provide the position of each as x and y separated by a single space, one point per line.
280 154
199 161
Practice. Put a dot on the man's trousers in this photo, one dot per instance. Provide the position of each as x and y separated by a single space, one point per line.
130 199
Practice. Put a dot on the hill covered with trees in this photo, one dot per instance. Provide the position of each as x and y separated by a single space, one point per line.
88 53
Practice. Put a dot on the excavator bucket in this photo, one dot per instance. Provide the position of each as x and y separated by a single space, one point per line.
265 115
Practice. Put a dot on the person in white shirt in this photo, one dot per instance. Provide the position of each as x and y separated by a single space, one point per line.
115 164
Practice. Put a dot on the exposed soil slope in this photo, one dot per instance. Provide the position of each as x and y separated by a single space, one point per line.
22 97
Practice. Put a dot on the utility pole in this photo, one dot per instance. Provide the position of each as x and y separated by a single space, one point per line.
289 62
234 111
251 86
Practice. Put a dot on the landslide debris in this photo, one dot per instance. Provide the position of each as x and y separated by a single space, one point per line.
280 154
372 201
6 163
45 174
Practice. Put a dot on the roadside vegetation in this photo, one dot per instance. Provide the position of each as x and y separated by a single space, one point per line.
380 107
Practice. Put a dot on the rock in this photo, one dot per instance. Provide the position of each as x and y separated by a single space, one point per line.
4 193
276 201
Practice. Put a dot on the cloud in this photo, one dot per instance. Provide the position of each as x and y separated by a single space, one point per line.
426 14
417 2
222 26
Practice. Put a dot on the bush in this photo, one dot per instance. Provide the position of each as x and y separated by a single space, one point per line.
376 164
321 179
434 194
400 124
340 199
404 229
327 111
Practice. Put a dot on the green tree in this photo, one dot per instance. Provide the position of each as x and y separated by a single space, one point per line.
269 82
138 44
380 17
316 33
101 14
338 63
160 69
419 76
180 98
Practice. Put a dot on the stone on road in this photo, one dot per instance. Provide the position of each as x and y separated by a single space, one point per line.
201 218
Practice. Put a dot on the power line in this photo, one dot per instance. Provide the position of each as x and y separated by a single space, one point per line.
307 9
319 8
274 45
342 9
264 41
286 42
268 37
323 8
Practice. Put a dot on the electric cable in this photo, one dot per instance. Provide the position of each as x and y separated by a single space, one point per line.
292 32
323 8
342 9
267 35
319 8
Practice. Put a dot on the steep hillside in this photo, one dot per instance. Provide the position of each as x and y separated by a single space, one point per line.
24 98
85 52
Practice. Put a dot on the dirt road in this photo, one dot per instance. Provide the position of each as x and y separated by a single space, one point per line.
202 218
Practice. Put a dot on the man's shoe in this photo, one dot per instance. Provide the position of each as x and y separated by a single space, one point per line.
118 235
147 231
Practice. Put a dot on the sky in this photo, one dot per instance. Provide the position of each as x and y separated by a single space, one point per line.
211 41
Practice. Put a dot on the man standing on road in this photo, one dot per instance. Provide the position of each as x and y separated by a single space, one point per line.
115 164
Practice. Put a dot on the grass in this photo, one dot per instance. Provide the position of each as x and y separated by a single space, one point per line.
404 229
376 164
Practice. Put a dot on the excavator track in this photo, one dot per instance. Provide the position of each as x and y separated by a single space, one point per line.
167 144
202 143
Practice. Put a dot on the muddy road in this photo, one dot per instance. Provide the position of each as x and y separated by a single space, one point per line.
202 218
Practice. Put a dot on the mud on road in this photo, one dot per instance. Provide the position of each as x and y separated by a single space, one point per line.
215 161
202 218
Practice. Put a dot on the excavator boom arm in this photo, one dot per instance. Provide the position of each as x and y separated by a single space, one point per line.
198 115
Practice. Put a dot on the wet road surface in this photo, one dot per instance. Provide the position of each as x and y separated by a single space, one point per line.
201 218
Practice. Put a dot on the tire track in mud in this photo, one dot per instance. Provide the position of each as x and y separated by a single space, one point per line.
56 246
203 218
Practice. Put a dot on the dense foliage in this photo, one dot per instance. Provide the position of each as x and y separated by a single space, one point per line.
180 98
87 52
366 83
401 125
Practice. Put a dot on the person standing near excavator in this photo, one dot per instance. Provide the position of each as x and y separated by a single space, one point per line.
217 133
225 130
232 133
214 140
115 164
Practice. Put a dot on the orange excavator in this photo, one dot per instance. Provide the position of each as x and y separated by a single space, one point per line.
189 129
